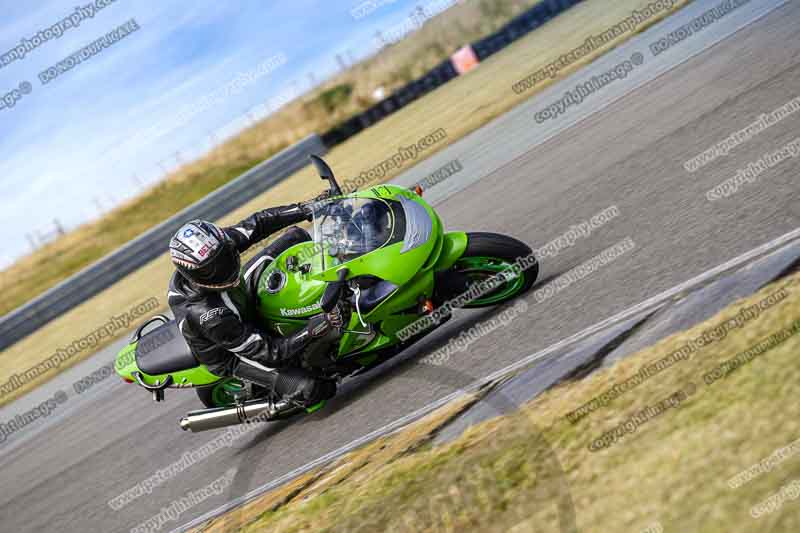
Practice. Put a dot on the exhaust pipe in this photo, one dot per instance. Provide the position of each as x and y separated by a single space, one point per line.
219 417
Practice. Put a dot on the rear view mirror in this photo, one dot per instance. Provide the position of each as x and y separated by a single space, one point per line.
326 173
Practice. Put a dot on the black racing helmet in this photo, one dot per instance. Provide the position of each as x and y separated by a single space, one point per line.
206 255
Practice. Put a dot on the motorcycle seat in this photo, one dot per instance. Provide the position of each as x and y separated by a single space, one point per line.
164 350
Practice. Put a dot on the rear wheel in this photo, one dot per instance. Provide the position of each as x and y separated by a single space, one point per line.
491 255
221 394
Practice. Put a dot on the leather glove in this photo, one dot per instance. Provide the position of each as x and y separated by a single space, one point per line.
308 207
339 317
322 197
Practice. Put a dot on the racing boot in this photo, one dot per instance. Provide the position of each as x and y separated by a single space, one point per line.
295 387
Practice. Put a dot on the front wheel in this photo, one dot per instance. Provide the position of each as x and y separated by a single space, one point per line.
491 255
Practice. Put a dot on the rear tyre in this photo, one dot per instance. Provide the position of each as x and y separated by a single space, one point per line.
214 396
222 393
491 255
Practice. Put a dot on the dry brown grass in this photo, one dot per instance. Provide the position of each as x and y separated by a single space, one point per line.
355 467
459 107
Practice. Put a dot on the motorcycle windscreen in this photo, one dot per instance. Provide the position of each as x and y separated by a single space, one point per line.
348 228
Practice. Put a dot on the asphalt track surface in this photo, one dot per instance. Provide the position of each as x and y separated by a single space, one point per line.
630 154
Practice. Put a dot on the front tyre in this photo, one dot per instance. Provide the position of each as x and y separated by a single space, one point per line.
491 255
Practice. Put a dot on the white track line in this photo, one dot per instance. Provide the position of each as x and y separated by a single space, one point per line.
526 361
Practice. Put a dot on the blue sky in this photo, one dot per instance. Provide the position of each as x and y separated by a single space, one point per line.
81 138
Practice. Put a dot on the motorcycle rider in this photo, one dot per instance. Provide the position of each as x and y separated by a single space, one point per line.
213 311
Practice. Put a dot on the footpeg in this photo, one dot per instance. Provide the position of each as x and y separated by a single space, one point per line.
276 408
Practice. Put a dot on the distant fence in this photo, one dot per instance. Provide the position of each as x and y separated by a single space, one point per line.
83 285
518 27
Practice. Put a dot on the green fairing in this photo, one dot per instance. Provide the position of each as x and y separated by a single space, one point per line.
125 365
454 245
412 271
394 216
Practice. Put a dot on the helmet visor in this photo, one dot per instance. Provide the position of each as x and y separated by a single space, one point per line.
221 273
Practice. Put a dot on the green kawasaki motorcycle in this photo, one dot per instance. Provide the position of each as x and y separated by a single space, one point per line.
383 252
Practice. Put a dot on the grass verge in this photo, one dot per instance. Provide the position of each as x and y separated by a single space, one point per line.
673 471
460 107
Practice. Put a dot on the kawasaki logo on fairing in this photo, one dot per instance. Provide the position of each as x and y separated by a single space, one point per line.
300 310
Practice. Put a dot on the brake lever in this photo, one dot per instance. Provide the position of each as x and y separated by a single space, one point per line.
357 296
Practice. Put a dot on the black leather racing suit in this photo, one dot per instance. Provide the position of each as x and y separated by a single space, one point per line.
218 325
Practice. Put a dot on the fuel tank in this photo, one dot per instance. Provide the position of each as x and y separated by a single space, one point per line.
288 292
